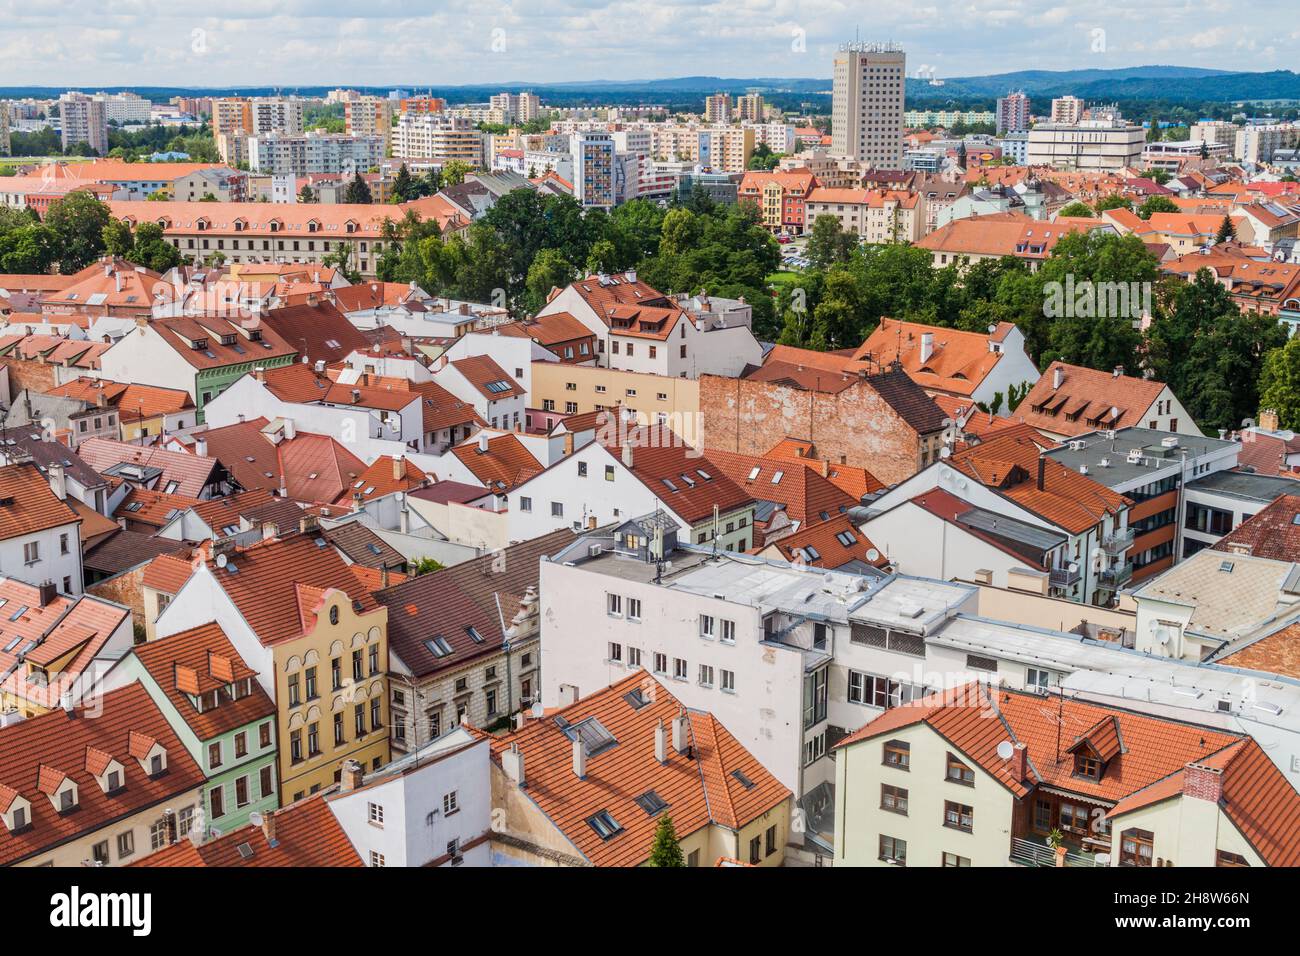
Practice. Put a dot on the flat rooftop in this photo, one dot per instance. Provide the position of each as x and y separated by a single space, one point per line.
1246 485
1107 459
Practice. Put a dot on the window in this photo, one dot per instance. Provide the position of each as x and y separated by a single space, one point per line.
756 850
265 784
376 858
893 799
952 859
100 852
615 652
770 840
1086 765
814 749
295 695
125 844
357 672
1136 847
1042 816
706 675
660 663
557 509
728 631
450 803
604 824
63 544
241 792
893 850
359 719
728 684
525 504
614 605
679 668
1037 679
634 609
340 738
693 859
958 816
707 626
633 656
241 744
216 800
313 740
1227 858
264 734
814 697
158 835
898 754
214 755
651 803
582 469
31 552
958 772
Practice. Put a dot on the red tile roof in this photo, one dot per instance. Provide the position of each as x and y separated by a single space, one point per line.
1087 400
307 834
27 504
700 789
1270 533
482 371
57 743
660 457
835 543
506 463
203 660
384 476
958 362
190 473
806 495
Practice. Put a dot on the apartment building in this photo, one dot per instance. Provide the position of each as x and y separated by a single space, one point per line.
125 107
1098 145
593 169
567 389
867 103
318 642
553 779
877 215
1070 400
1120 788
1256 143
40 532
275 114
781 198
438 138
83 119
521 107
220 713
1067 110
1013 113
368 116
724 149
304 154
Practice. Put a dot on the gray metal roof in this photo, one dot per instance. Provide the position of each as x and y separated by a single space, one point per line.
1247 485
1118 472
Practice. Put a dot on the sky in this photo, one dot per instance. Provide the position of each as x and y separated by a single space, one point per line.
453 42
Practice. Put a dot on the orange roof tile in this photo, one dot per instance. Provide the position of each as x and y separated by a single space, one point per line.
1087 400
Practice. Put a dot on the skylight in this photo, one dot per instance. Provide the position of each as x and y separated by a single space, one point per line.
753 472
595 738
744 781
438 646
651 803
776 479
604 824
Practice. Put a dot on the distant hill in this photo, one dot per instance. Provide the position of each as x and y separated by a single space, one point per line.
1174 83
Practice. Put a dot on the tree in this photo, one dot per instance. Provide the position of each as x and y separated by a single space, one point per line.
403 185
549 270
425 566
1226 231
666 851
118 240
1077 209
1113 201
829 244
307 195
1155 204
455 171
78 220
1279 383
151 250
357 192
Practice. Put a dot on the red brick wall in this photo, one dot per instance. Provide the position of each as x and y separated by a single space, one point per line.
38 376
854 427
125 590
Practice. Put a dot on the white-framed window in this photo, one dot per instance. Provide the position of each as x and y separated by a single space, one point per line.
706 675
615 652
377 859
633 656
728 631
728 681
814 748
557 509
376 812
31 552
450 803
661 663
614 605
679 668
633 609
708 625
1037 679
525 503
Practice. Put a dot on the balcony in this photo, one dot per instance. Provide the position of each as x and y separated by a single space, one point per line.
1064 577
1117 542
1118 576
1035 853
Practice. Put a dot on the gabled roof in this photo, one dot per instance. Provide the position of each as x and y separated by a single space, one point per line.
132 401
505 463
706 787
264 583
683 478
802 491
483 593
27 505
309 467
190 474
361 546
958 361
307 834
200 661
384 476
491 380
59 741
831 544
152 508
123 550
208 341
1273 532
317 330
1087 400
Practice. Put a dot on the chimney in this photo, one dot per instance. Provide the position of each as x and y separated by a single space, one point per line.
320 366
101 400
627 456
1020 762
268 825
1268 420
356 395
826 467
383 577
1042 470
307 524
482 443
1202 782
259 373
512 762
1057 374
682 734
927 346
46 593
661 742
58 480
399 468
631 275
65 701
568 695
290 430
201 447
352 777
579 758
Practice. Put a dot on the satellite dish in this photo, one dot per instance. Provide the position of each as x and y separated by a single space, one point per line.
873 554
945 452
538 711
255 818
1006 750
221 560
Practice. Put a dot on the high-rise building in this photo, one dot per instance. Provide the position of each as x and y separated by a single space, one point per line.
1094 145
125 107
717 108
276 114
1013 113
1067 110
369 116
437 137
867 103
84 121
4 128
593 169
231 116
518 107
751 107
301 154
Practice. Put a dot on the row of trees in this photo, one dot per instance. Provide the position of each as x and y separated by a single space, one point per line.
1197 339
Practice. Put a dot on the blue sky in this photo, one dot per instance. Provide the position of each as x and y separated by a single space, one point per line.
326 42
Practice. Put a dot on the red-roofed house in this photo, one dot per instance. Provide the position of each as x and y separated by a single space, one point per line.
1071 400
